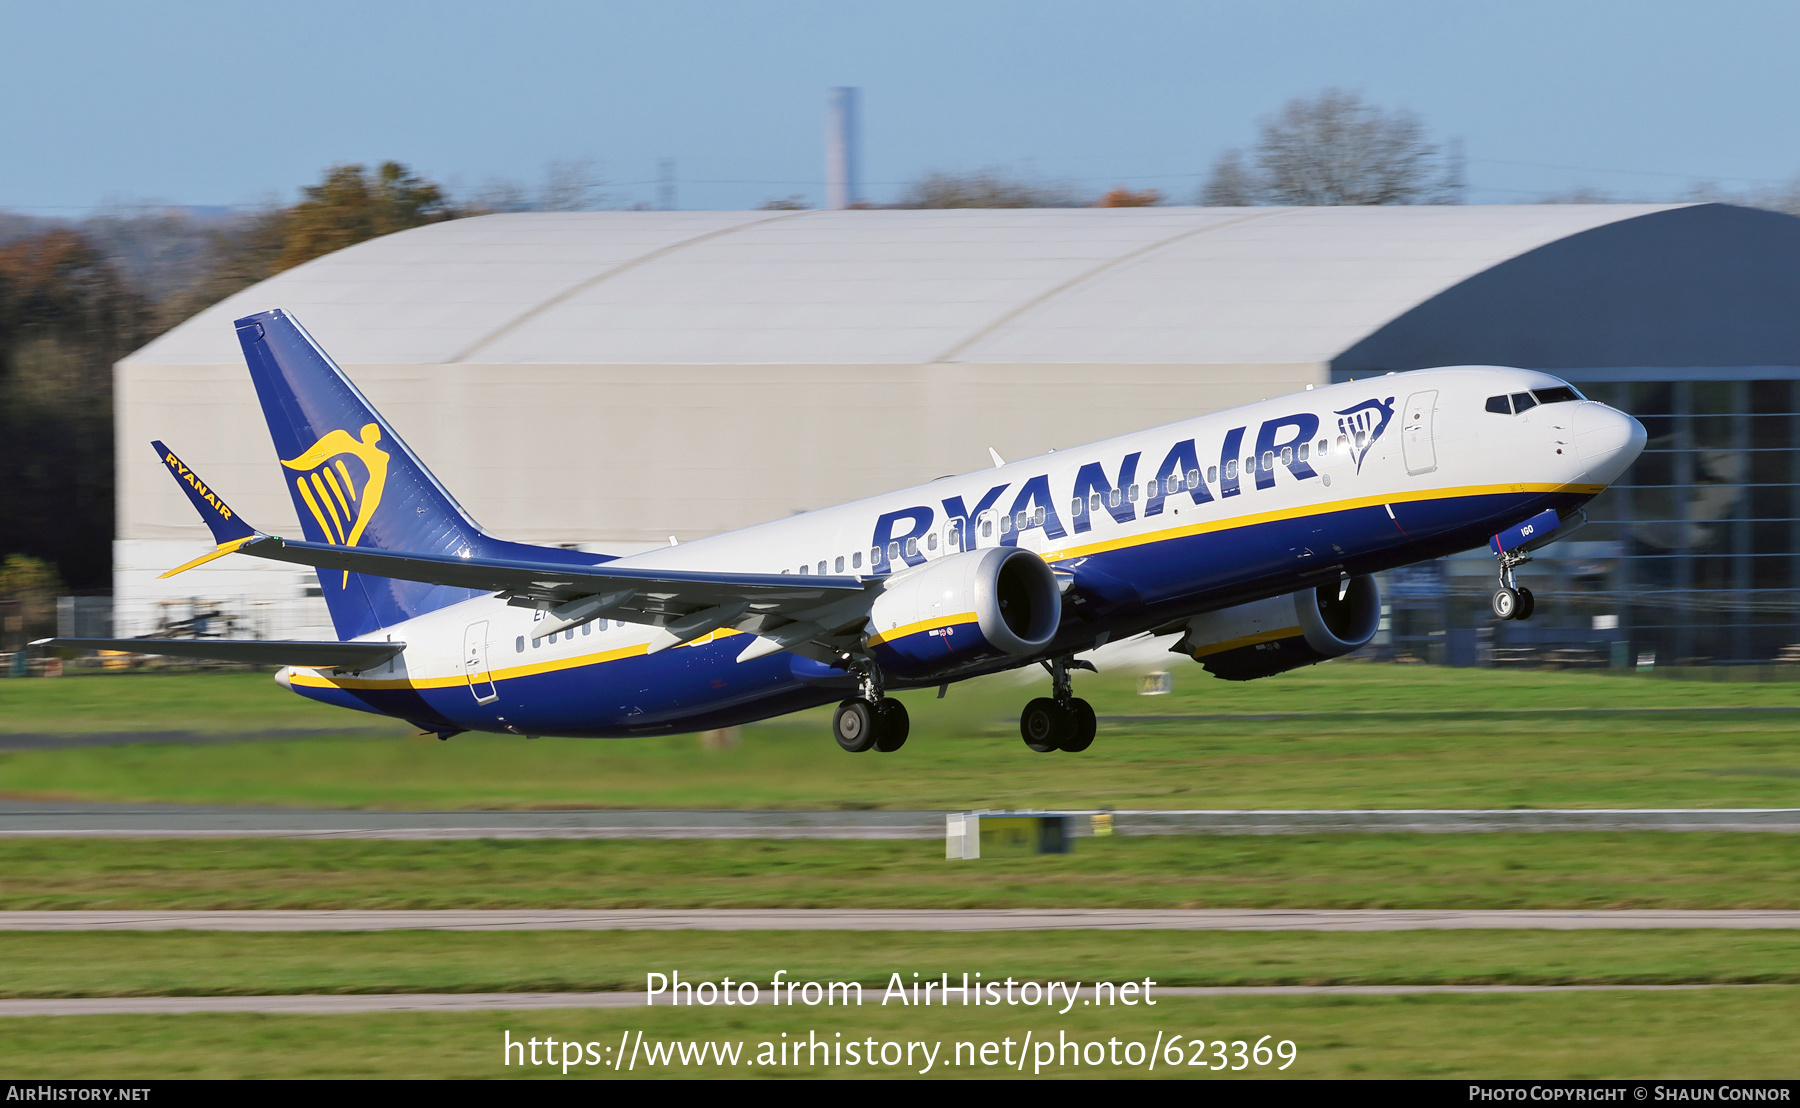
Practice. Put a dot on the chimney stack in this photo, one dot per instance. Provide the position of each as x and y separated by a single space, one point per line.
843 179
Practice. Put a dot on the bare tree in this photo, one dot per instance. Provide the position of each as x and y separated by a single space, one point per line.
1336 148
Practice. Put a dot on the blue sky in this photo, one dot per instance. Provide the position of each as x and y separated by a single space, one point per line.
214 103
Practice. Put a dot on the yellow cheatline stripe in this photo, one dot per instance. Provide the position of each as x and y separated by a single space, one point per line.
923 625
1304 510
1247 640
314 679
224 549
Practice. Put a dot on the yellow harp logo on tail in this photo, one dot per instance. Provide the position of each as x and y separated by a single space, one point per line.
342 496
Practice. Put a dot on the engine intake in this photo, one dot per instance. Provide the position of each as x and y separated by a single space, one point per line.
1266 637
956 612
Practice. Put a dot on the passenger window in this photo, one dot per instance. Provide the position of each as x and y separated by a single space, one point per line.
1212 475
601 624
587 628
912 548
1522 401
1231 470
1116 498
785 572
1038 518
1287 455
1006 525
1193 478
931 541
803 571
535 643
956 534
987 526
1559 395
1362 439
838 566
821 569
1094 502
1343 442
1304 449
1268 460
520 645
874 556
1075 507
1131 494
856 560
894 552
1324 447
1499 405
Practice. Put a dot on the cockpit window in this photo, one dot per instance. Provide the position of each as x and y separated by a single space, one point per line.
1499 405
1561 394
1522 401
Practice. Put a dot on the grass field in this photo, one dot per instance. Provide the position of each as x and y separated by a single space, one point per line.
1704 1033
1587 870
1366 736
176 963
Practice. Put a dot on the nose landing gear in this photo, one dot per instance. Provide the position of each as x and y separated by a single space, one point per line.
1513 600
1061 721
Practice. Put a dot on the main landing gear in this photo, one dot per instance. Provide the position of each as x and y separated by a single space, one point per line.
871 721
1062 720
1513 600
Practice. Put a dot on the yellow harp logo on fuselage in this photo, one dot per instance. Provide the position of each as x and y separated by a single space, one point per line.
342 501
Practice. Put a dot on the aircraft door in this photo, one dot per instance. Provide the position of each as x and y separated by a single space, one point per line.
1415 435
475 663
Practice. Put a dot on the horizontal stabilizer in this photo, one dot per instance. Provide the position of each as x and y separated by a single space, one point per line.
309 655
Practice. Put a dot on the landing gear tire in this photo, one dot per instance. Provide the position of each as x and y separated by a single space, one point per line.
1527 603
1506 603
1081 734
1045 726
892 725
856 725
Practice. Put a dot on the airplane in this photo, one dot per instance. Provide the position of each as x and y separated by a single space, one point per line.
1252 533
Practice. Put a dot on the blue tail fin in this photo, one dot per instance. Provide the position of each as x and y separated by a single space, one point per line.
355 483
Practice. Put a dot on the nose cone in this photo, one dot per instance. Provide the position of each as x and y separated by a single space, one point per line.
1606 440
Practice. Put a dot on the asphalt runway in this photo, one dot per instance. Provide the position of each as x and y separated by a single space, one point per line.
860 919
349 1004
66 819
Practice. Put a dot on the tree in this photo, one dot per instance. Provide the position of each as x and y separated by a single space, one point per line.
1336 148
350 206
65 316
986 188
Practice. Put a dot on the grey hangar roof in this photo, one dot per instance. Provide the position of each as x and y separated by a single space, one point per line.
617 377
1170 286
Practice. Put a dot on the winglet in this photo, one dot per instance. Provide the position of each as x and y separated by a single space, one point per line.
228 530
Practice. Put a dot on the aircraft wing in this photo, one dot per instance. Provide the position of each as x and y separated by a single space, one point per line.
684 603
312 655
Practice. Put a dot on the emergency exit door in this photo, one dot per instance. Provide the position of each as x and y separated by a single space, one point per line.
475 663
1415 433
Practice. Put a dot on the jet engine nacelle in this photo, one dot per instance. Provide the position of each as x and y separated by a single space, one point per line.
1271 636
963 609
